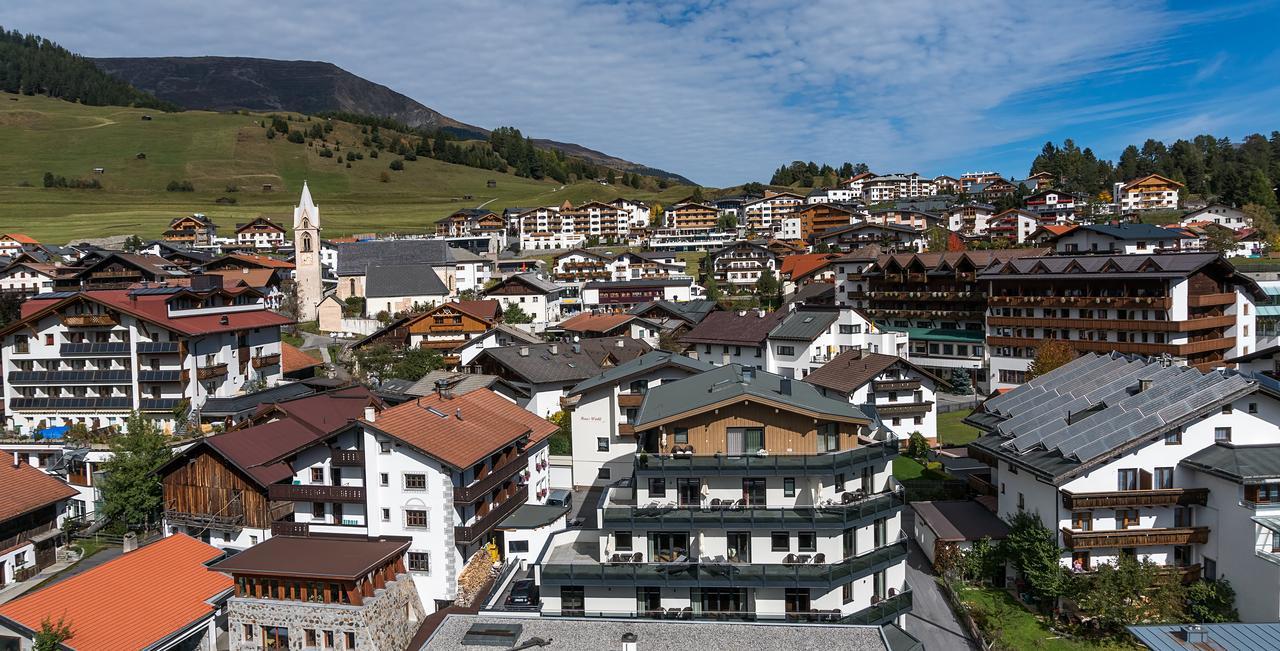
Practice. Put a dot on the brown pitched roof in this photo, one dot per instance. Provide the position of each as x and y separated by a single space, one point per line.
731 329
346 558
462 430
854 368
486 310
292 359
25 489
588 322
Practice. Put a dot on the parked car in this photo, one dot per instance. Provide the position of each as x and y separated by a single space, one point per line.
523 593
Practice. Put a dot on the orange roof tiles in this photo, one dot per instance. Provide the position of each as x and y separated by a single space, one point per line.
133 601
24 489
255 278
803 264
488 423
20 238
263 261
293 359
1059 229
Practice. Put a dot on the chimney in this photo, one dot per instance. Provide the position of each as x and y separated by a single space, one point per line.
1195 635
620 343
524 351
759 313
457 413
1144 384
554 349
370 413
16 461
784 386
224 320
629 642
742 312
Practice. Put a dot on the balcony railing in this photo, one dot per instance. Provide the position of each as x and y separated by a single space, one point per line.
626 400
803 517
749 575
347 458
316 493
903 408
770 465
495 478
86 320
486 523
1133 325
297 529
1177 350
1157 302
262 361
1134 537
1127 499
895 385
217 370
1207 300
882 612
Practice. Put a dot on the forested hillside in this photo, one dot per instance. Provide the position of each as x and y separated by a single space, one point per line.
32 65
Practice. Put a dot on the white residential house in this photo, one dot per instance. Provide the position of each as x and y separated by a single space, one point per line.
1151 192
810 336
899 394
1218 214
536 297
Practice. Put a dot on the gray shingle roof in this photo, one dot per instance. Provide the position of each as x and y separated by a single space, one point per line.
728 382
730 328
645 363
804 324
247 403
566 365
530 280
1244 464
1061 423
1136 231
458 383
354 258
690 311
1237 637
403 280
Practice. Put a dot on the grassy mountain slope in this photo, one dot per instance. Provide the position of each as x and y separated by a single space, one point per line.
220 83
215 150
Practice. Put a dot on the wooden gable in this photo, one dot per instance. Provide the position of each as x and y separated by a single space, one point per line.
206 484
447 318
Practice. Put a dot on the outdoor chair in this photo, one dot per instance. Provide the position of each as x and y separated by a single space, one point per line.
637 557
819 558
802 559
790 559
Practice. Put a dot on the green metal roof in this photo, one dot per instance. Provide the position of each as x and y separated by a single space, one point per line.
645 363
947 335
532 516
1245 464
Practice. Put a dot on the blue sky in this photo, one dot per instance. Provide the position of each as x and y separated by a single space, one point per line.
724 92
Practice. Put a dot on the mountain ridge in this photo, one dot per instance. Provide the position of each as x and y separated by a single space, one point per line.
258 84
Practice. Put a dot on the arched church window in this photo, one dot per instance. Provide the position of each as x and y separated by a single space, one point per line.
306 243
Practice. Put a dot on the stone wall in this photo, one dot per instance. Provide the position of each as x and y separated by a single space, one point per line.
386 621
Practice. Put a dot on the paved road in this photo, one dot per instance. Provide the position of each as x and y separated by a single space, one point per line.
931 620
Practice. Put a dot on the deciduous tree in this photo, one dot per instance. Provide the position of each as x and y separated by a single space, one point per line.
131 491
1050 355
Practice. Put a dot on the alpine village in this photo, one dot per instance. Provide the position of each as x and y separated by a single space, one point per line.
846 409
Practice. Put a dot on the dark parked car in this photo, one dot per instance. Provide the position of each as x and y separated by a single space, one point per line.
523 593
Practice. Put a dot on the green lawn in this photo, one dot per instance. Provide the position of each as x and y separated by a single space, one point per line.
951 431
218 151
906 468
1014 627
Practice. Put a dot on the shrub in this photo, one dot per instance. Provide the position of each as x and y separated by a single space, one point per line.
326 153
296 137
180 186
396 165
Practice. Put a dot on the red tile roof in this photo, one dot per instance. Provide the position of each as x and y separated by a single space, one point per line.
293 359
602 323
250 277
153 308
488 423
24 489
263 261
728 328
131 602
802 264
488 310
20 238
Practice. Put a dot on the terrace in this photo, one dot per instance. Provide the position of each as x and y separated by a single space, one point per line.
772 465
620 511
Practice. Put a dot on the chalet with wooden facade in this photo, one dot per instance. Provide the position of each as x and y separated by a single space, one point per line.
692 216
1151 192
471 222
113 270
443 328
31 518
261 233
193 231
816 218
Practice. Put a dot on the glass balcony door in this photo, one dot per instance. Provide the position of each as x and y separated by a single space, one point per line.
744 440
739 546
689 491
753 492
666 547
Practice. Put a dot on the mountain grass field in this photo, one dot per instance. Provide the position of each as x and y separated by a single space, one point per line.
228 155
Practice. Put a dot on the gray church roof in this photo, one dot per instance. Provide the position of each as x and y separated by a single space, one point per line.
354 258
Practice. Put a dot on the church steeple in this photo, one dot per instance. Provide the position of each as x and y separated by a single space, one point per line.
306 249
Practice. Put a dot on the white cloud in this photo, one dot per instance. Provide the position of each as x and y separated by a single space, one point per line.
720 91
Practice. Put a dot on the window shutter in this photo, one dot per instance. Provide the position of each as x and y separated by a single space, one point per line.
1251 493
1144 480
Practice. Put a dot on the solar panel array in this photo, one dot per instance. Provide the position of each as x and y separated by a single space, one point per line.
111 376
1097 403
119 348
158 404
159 376
70 403
157 347
155 291
54 295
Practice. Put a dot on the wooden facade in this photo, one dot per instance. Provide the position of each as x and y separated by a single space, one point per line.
206 487
318 590
785 432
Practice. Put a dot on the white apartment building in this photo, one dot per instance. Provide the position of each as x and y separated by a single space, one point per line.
1056 206
1194 307
765 215
638 212
604 410
741 264
1129 239
261 233
810 336
970 218
538 298
442 470
1151 192
897 393
24 278
752 498
1112 453
94 356
897 186
1218 214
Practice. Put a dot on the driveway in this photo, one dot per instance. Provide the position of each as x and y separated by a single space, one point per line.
931 620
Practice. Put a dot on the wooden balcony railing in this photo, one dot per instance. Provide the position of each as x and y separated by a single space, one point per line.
217 370
262 361
488 521
347 458
900 408
1132 325
625 429
1134 537
82 320
895 385
316 493
626 400
495 478
1128 499
1156 302
296 529
1207 300
1178 350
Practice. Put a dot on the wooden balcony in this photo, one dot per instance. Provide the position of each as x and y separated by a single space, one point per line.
481 488
625 429
895 385
1177 350
347 458
903 408
488 521
1129 499
86 320
1208 300
1131 325
1155 302
1134 537
316 493
628 400
295 529
217 370
263 361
